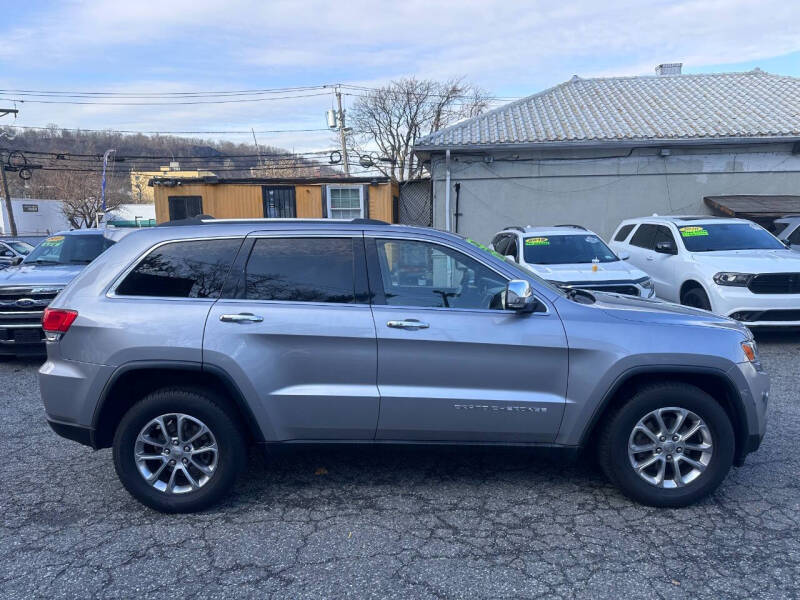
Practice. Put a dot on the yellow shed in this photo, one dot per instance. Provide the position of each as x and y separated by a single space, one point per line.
336 198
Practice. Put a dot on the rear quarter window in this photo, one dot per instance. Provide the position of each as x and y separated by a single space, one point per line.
190 269
624 232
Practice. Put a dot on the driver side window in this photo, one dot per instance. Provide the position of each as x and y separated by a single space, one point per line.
423 274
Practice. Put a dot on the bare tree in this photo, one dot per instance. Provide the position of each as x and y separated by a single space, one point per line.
80 196
391 119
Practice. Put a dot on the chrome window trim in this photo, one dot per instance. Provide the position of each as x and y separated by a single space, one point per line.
111 292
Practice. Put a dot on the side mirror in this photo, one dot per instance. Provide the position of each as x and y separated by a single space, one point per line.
666 248
623 256
519 297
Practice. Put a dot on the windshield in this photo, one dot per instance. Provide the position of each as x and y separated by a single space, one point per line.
566 249
68 250
23 248
712 237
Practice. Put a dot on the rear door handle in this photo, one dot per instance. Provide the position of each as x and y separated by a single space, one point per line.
241 318
407 324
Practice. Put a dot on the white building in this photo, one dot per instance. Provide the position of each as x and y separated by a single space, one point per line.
38 217
592 152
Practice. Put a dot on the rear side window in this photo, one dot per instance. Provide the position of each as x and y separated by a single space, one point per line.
191 269
794 237
499 243
623 232
644 236
301 270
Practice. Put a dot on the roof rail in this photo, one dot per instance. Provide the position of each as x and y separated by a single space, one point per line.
516 227
573 226
209 220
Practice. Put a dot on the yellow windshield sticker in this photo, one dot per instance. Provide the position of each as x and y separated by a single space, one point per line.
53 241
693 231
537 241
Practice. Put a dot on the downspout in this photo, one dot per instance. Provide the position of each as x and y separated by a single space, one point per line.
447 190
458 197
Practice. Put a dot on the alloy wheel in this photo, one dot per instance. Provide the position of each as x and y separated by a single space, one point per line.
670 447
176 453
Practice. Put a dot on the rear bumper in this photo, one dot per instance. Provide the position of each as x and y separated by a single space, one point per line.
71 431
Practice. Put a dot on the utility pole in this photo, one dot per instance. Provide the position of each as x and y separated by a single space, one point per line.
11 222
341 132
9 210
97 214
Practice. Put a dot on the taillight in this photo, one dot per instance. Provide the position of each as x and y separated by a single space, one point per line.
58 320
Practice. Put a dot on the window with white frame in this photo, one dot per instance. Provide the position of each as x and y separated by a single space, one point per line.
345 202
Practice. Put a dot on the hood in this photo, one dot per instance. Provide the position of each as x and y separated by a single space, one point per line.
631 308
32 274
582 272
750 261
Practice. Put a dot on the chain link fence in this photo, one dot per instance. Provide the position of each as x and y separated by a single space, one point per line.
415 205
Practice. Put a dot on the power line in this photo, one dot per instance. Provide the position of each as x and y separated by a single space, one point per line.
153 132
181 103
74 94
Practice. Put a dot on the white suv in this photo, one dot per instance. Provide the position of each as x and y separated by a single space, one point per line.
732 267
571 256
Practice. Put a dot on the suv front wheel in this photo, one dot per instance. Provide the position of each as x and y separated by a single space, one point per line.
670 445
178 450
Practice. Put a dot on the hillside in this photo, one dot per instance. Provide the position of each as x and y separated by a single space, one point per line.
61 157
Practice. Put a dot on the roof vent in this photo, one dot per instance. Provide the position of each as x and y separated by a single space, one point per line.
669 69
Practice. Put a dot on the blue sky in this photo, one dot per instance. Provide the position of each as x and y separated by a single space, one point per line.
509 48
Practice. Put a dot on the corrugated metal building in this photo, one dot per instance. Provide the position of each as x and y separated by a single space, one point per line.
595 151
345 198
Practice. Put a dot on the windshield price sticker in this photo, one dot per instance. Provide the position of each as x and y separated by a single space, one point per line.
537 241
693 231
486 249
56 240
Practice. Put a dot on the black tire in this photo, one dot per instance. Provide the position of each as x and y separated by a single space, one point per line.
614 440
199 404
696 297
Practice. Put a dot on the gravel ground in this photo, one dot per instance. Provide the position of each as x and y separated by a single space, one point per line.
395 523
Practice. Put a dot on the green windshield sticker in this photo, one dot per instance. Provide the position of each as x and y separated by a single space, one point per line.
693 231
537 241
56 240
485 249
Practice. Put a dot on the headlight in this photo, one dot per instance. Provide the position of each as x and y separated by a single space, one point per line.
737 279
647 284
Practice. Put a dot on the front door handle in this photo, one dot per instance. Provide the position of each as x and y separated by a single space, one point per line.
407 324
241 318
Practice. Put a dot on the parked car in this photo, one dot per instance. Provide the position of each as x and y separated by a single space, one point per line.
571 256
732 267
12 251
28 287
180 345
787 230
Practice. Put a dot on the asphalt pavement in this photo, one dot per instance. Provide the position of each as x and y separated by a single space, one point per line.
395 522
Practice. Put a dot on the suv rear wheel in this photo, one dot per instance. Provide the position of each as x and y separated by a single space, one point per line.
178 450
670 445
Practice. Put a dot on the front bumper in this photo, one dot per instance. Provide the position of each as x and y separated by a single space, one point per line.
756 310
753 387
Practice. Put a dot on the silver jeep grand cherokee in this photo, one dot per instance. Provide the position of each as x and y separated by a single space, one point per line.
179 346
